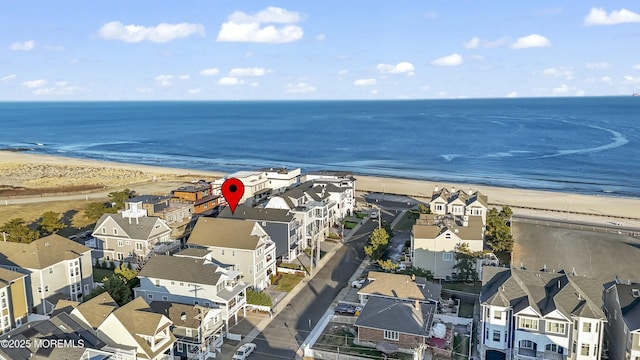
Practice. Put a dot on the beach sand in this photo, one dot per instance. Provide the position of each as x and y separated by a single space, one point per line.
39 171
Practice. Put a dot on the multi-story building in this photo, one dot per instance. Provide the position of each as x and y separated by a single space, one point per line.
399 286
130 236
342 189
56 268
435 238
285 230
14 307
193 281
243 244
261 183
176 214
459 202
200 195
622 307
529 315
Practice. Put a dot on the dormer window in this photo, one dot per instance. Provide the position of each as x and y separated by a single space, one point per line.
635 292
104 230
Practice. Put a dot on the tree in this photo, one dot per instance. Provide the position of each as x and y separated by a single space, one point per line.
466 261
378 243
51 222
119 198
95 210
116 287
125 272
506 213
424 209
498 232
17 231
387 265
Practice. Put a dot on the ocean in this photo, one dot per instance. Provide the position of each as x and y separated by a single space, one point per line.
581 144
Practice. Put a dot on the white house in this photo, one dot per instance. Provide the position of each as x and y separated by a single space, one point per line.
459 202
540 315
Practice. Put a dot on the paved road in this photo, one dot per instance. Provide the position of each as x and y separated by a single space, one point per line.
281 339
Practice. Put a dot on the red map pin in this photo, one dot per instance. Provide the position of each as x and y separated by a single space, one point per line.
232 190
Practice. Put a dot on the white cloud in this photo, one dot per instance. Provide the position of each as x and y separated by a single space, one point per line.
598 16
210 72
194 91
161 33
374 92
449 60
144 90
631 79
8 77
254 71
597 66
63 90
299 88
35 83
365 82
566 72
321 37
531 41
164 80
230 81
475 42
242 27
606 79
513 94
580 93
22 46
566 89
184 77
636 67
399 68
343 72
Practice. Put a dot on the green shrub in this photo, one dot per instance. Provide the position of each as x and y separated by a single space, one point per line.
258 298
291 266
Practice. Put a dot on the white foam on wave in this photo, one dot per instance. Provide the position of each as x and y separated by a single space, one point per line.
618 140
449 157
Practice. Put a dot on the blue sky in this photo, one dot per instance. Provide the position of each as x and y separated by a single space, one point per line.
255 50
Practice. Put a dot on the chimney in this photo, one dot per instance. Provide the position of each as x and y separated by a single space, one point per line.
453 189
417 305
436 188
470 191
558 284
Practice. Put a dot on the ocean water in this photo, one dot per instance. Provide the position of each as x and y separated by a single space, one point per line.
581 145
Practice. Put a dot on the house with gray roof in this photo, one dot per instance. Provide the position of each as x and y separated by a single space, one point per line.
340 184
198 330
245 245
395 324
193 281
177 214
285 230
531 314
131 236
399 286
435 238
56 268
622 307
459 203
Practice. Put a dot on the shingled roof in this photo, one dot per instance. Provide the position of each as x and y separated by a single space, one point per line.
138 228
630 304
430 226
397 315
399 286
41 253
178 268
542 291
224 233
259 214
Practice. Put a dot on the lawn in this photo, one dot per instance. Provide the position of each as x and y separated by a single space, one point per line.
287 282
99 274
466 310
407 221
72 211
340 340
460 286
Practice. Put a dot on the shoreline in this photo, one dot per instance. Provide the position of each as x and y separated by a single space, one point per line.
68 169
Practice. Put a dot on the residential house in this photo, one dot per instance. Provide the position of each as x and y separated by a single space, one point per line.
176 214
243 244
622 307
285 230
198 330
14 306
393 324
399 286
261 183
91 313
540 315
134 326
193 281
56 268
435 238
131 236
459 203
344 195
200 195
59 337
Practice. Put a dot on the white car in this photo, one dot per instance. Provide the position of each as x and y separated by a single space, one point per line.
357 283
244 351
374 215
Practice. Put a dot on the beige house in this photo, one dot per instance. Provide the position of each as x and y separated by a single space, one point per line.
435 238
56 268
399 286
14 307
131 236
90 313
243 244
459 203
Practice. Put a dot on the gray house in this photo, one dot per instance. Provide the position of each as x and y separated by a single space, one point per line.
281 225
622 307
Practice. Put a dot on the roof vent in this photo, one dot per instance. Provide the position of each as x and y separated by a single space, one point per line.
183 316
635 292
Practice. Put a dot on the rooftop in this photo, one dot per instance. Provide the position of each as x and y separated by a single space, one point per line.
400 286
397 315
41 253
224 233
183 269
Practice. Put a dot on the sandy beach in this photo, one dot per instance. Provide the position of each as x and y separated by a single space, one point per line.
40 171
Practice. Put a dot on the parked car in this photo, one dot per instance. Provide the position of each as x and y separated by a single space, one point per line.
374 214
357 283
347 309
244 351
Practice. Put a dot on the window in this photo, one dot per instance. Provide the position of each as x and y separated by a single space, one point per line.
555 327
222 252
586 327
181 284
51 270
115 231
150 296
528 323
497 314
496 335
439 207
157 283
526 344
447 236
120 243
165 298
391 335
104 230
188 332
139 246
584 349
128 242
554 348
46 288
120 256
447 256
173 283
180 347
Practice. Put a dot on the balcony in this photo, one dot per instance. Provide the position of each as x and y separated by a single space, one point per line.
552 355
529 353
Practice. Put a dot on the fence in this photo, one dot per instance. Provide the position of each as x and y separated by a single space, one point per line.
453 319
331 355
343 319
577 225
